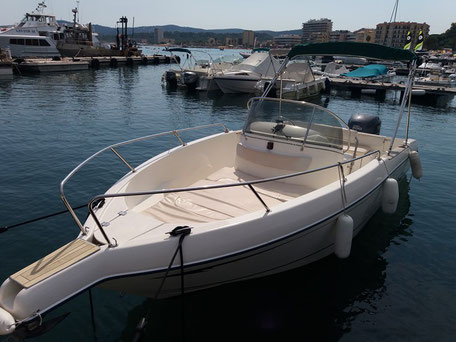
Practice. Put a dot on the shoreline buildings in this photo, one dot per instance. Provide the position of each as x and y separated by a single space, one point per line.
248 38
316 31
394 34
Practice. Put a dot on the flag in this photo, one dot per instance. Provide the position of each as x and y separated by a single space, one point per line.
419 43
408 41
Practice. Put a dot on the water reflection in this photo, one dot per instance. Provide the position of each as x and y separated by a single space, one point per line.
316 302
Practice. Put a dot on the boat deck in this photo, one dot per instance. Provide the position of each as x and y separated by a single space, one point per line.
58 260
223 203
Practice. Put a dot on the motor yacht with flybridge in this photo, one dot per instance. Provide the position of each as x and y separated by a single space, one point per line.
294 185
35 36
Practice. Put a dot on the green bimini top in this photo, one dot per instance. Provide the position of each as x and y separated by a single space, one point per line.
367 50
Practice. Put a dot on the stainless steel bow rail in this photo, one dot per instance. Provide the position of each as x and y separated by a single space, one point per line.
250 184
112 148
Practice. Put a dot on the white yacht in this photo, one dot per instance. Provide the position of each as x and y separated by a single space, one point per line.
35 36
243 77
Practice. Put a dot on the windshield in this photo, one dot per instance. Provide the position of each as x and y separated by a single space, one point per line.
295 121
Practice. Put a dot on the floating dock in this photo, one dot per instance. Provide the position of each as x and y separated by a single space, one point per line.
84 63
379 88
113 61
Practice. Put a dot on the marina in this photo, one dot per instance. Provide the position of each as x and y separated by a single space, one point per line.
406 227
226 186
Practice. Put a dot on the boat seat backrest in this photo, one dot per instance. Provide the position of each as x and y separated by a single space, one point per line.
266 164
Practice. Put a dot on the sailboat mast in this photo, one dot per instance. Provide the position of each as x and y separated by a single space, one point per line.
394 13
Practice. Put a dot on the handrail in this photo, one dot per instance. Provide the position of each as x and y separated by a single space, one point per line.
112 148
217 186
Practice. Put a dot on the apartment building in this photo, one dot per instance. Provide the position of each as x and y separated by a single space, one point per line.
316 31
394 34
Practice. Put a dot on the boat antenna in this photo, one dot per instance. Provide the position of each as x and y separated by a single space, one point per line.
41 6
394 13
77 8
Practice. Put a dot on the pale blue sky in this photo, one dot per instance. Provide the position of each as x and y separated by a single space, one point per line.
276 15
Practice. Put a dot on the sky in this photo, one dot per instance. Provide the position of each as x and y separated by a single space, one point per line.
254 15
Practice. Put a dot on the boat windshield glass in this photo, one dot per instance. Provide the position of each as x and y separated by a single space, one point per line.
295 121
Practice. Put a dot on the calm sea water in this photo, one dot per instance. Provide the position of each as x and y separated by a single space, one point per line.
399 284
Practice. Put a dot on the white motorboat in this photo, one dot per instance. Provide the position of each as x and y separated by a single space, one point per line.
35 36
298 82
196 73
243 77
296 184
332 69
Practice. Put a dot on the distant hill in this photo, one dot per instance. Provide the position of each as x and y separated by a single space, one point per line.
108 31
441 41
184 35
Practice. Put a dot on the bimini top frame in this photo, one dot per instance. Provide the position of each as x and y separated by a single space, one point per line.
353 49
189 55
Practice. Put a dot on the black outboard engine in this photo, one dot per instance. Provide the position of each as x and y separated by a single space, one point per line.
171 78
365 123
190 79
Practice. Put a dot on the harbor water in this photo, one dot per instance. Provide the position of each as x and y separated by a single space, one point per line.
399 283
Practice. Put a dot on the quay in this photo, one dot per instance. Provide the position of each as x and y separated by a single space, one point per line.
380 88
84 63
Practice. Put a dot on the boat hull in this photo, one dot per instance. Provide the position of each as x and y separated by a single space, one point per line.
26 49
304 246
74 50
236 84
258 244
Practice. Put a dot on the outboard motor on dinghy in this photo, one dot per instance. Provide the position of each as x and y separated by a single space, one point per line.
365 123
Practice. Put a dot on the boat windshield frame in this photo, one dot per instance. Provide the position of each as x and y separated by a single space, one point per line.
315 131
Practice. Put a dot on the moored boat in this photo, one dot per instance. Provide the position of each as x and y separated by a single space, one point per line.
243 77
296 184
35 36
197 74
80 41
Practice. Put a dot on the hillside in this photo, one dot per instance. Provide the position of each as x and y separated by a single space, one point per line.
104 30
444 40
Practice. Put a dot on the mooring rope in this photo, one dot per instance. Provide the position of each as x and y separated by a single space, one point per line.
182 232
5 228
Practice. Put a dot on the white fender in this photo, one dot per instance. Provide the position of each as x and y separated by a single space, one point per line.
415 164
7 321
344 236
390 196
